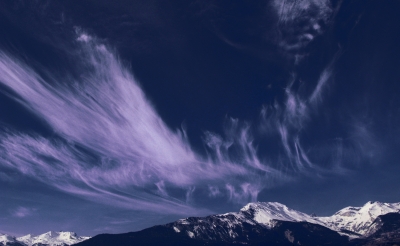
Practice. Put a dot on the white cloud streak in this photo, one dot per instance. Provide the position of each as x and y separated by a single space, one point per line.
135 160
22 212
112 146
299 22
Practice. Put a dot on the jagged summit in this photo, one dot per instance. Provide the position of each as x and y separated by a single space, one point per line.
269 223
50 238
358 219
267 212
255 221
261 205
353 219
4 239
350 221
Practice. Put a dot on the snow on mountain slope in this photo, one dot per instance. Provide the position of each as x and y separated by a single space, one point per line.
266 214
52 238
27 239
354 219
258 215
4 239
358 219
216 227
252 219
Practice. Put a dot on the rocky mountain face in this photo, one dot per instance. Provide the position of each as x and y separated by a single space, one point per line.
385 230
262 223
271 224
359 219
50 238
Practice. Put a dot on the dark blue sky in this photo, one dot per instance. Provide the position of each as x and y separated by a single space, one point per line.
119 116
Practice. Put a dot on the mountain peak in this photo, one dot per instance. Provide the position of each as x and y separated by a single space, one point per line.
52 238
267 212
4 239
354 219
262 221
358 219
262 205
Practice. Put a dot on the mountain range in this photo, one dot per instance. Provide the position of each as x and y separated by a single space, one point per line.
261 223
50 238
271 223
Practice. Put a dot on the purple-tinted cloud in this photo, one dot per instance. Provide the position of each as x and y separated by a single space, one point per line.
140 162
135 160
300 22
21 212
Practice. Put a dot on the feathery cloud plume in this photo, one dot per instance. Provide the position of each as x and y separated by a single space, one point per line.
111 145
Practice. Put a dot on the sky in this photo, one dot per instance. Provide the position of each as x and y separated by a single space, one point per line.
115 117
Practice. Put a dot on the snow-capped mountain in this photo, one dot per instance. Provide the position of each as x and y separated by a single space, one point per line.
266 213
50 238
359 219
258 216
270 223
350 221
6 239
354 219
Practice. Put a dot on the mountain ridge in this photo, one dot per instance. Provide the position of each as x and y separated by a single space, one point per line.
254 224
261 222
50 238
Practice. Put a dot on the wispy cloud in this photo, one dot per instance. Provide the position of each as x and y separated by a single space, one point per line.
22 212
286 124
111 146
299 22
